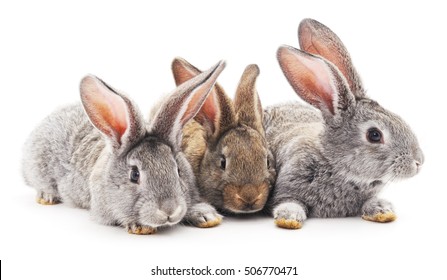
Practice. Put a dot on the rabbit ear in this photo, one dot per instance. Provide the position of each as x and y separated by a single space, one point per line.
183 70
216 114
111 113
317 81
247 103
316 38
183 104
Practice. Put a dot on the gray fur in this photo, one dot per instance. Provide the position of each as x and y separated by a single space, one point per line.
325 165
72 157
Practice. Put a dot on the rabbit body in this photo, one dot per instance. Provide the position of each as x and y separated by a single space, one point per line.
307 171
332 162
226 145
61 153
103 156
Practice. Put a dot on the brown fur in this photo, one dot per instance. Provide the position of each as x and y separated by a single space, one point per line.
245 197
194 144
234 131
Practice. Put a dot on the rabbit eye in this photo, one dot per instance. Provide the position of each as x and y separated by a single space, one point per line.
134 175
268 163
223 163
374 135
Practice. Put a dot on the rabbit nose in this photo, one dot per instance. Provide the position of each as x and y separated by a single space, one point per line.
418 157
245 198
171 211
176 215
249 200
418 165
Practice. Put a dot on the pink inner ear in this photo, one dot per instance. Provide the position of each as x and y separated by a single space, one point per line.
327 45
306 42
322 80
333 56
183 72
116 115
107 110
208 109
310 78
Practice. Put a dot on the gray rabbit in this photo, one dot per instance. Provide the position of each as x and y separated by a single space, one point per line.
333 162
102 156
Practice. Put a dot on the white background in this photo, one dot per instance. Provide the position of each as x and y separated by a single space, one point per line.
48 46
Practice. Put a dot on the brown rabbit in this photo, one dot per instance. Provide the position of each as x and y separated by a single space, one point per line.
226 145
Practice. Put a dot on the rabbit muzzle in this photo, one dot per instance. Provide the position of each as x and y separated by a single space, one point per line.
245 198
166 213
407 165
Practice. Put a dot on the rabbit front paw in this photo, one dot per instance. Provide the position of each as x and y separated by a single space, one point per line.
47 198
289 215
140 230
203 215
378 210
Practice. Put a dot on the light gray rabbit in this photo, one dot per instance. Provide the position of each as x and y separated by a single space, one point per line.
226 145
333 162
102 156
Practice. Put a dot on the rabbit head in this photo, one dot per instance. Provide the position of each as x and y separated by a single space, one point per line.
364 141
142 177
235 169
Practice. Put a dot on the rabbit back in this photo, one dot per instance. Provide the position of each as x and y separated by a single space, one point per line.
285 122
60 153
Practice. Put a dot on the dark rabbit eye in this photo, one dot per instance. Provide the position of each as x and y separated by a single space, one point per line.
268 163
134 175
223 163
374 135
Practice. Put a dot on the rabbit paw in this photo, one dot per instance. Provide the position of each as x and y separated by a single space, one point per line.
47 199
378 210
203 215
289 215
381 217
140 230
